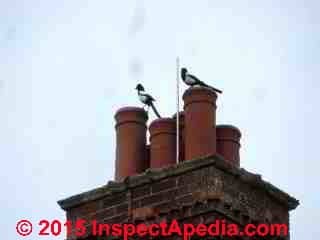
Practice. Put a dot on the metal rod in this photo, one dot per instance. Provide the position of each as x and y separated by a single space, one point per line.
177 115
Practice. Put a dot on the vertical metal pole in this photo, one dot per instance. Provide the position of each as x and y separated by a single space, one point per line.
177 115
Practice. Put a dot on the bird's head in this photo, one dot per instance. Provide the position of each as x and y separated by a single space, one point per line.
139 87
183 73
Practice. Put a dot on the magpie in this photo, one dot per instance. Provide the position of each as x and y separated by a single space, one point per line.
146 99
193 81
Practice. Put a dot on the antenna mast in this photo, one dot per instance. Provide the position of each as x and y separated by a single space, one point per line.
177 114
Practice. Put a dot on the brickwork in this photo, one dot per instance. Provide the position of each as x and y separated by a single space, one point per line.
192 191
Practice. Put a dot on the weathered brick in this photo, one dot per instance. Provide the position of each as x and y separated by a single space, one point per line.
140 191
163 185
182 190
105 213
122 208
164 206
135 204
151 199
186 199
82 211
199 208
117 219
144 212
187 178
114 199
209 217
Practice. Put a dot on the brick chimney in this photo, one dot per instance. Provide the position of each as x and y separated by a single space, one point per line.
199 116
131 150
228 143
208 188
162 142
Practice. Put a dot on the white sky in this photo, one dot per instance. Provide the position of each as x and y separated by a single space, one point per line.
66 66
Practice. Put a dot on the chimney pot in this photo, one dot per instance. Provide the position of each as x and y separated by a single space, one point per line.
162 142
130 142
200 113
228 143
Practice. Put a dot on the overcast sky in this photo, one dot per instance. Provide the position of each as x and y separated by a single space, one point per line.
67 66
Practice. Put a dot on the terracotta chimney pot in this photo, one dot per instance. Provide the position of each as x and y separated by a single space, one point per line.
131 153
200 114
228 143
162 142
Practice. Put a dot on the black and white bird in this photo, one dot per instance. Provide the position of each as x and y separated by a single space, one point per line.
146 99
194 81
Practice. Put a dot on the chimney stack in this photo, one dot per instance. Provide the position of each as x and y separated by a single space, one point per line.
200 115
131 152
162 142
228 143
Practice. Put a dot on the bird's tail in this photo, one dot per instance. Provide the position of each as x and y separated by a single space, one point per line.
155 110
212 88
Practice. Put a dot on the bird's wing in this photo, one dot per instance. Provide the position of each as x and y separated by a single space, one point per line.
194 77
200 82
150 97
204 84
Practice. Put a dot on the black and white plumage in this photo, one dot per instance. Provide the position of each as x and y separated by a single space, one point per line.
191 80
146 99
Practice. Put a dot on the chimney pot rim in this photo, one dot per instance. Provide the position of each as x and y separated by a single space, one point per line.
167 119
229 126
131 110
199 89
162 120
